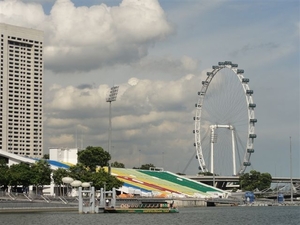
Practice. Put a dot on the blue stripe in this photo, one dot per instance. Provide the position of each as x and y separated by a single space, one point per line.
58 164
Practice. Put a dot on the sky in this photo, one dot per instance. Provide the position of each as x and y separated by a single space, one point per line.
158 52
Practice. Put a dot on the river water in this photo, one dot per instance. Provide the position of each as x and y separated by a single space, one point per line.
260 215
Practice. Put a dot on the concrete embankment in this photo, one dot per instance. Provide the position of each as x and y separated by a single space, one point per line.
25 206
10 206
189 202
15 206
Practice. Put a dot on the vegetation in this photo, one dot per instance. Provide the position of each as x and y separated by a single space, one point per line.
88 169
92 157
207 174
117 165
255 180
4 173
46 156
102 179
20 175
57 177
41 174
145 166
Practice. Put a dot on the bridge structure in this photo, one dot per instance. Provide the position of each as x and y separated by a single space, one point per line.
236 178
223 181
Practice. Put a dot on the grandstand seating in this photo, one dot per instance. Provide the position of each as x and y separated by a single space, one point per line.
134 179
166 183
181 181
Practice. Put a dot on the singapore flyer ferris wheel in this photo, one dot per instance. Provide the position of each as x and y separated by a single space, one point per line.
225 121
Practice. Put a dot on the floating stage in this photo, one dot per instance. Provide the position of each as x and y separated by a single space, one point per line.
89 204
143 207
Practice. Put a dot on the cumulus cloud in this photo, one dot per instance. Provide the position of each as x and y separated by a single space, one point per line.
144 108
134 93
133 81
18 13
86 38
71 98
189 63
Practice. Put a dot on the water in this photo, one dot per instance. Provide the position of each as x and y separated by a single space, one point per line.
187 216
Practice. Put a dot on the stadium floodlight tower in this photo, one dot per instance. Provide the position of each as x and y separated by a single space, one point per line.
112 96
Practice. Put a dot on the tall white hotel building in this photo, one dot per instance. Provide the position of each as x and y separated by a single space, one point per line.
21 91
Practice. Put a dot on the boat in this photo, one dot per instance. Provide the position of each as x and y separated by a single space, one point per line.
143 207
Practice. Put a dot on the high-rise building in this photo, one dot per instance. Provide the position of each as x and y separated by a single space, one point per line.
21 91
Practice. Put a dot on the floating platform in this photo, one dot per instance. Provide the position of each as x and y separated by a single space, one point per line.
153 207
89 204
140 210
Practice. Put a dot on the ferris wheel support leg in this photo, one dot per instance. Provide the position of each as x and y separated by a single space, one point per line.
212 150
233 151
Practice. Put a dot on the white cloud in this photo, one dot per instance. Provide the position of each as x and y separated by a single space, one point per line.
133 81
189 63
18 13
145 111
86 38
71 98
135 93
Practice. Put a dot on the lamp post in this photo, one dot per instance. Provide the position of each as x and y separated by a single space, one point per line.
112 96
67 180
140 159
75 184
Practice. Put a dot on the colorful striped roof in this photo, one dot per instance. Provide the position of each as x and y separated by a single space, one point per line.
163 182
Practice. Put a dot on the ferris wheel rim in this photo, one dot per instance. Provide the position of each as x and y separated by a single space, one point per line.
250 111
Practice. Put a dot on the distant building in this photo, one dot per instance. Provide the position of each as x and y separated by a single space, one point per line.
64 155
21 91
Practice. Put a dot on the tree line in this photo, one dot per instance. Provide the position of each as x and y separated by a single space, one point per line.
254 180
23 174
88 169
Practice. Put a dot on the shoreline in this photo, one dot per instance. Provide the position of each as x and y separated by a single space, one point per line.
38 209
13 206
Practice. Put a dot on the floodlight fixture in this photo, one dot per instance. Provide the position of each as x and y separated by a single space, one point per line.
112 96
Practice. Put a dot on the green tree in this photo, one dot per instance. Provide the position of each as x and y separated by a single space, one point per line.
117 165
20 174
265 181
206 173
4 174
99 178
146 166
57 177
92 157
255 180
46 156
102 179
41 174
80 172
